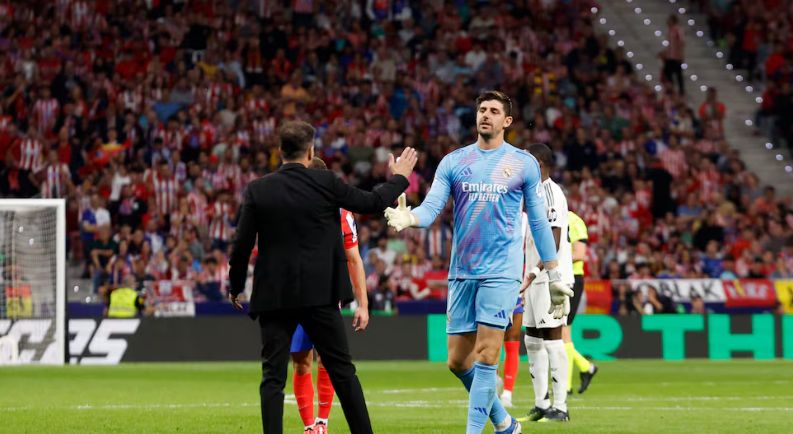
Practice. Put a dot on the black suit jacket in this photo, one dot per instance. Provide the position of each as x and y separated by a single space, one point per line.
295 213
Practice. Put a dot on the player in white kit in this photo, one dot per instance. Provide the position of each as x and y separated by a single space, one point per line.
543 339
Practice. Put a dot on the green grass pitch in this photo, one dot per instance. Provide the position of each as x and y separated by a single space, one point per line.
696 396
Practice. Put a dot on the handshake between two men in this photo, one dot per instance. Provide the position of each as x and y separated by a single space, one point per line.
402 217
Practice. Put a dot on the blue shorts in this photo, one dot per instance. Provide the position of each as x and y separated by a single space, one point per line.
300 341
518 306
480 301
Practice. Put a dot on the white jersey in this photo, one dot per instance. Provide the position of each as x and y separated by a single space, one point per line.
556 206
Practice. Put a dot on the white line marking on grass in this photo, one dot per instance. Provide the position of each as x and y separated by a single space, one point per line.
421 390
454 403
697 398
680 408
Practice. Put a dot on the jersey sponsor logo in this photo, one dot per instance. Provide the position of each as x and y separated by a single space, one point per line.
483 191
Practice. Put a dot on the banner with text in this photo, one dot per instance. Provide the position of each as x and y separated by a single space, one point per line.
668 337
170 298
682 290
749 293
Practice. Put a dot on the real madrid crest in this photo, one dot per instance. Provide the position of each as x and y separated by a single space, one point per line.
507 172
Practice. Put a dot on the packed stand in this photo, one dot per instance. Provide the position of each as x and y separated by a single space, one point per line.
758 40
150 121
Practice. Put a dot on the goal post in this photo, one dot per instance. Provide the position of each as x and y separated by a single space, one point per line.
33 281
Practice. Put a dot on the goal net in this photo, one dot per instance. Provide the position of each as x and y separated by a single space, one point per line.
32 281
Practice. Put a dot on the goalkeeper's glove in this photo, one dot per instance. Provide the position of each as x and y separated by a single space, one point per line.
400 217
560 294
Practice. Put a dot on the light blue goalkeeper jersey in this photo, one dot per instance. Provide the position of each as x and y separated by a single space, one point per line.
488 188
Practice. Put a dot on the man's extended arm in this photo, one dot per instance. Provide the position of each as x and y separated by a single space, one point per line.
402 217
364 202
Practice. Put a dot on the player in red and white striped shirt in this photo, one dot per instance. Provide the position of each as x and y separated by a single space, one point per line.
221 214
45 111
57 180
30 152
163 185
673 158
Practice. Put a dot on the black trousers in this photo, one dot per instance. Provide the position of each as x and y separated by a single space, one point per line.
673 70
325 327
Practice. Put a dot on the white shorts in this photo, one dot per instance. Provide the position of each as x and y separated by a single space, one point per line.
538 302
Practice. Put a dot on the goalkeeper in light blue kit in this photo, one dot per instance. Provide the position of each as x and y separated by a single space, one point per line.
491 182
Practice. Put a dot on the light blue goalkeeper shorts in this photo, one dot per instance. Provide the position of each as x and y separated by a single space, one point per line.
488 302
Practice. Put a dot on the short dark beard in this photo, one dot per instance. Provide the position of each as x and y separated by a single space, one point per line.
486 136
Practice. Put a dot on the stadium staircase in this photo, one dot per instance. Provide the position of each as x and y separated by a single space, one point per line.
625 22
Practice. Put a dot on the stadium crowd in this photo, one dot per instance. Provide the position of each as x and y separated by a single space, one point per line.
150 117
758 39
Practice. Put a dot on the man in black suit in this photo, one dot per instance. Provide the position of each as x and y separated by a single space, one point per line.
301 271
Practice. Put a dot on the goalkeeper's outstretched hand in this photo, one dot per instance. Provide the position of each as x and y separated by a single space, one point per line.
400 217
560 294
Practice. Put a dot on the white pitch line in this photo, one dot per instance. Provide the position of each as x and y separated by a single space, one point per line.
458 403
697 398
421 390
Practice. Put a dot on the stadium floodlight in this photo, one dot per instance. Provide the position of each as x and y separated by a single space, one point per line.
700 34
749 89
684 66
637 10
788 169
739 78
719 54
681 11
648 77
759 100
33 251
748 122
594 10
658 88
665 43
728 66
647 22
694 77
769 145
710 43
639 66
779 157
621 43
629 54
602 20
691 22
673 1
703 88
612 32
658 33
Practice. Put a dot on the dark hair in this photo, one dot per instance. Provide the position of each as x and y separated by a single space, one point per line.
317 163
296 139
499 96
542 153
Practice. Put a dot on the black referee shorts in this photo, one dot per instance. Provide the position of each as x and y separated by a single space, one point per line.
578 292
